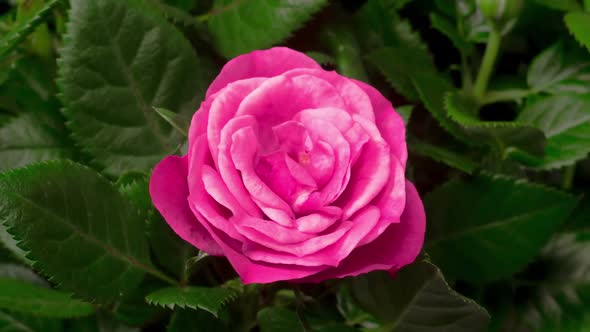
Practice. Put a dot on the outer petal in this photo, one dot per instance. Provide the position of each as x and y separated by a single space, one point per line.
259 272
390 123
169 191
265 63
398 246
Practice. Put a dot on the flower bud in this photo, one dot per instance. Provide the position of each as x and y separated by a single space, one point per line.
500 10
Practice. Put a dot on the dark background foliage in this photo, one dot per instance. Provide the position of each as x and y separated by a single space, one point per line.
496 98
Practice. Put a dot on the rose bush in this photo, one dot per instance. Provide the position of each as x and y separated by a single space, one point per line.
293 173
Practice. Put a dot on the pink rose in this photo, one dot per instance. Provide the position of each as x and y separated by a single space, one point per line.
293 173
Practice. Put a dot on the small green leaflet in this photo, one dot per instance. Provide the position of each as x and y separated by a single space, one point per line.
241 26
489 228
79 229
10 41
396 49
20 296
209 299
560 69
565 120
277 319
579 25
432 92
417 299
447 28
350 310
405 112
175 120
121 58
346 49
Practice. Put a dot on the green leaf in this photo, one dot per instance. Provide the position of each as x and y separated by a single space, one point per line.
353 314
169 249
441 154
25 27
13 271
321 58
346 49
556 289
20 296
276 319
133 310
565 120
405 112
185 5
579 220
99 323
80 231
503 136
432 92
11 245
209 299
565 5
241 26
121 58
29 87
489 228
578 24
31 137
17 322
418 299
178 122
186 320
447 28
397 50
172 12
560 69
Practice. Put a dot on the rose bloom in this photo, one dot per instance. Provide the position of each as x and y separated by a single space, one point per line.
293 173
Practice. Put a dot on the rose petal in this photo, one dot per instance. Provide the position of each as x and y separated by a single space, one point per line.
263 248
258 272
390 123
319 221
342 120
199 200
226 166
398 246
329 249
169 192
224 107
243 152
391 201
355 98
324 131
265 63
279 98
368 177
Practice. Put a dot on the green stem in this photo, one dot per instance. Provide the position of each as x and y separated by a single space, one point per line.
567 179
487 65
